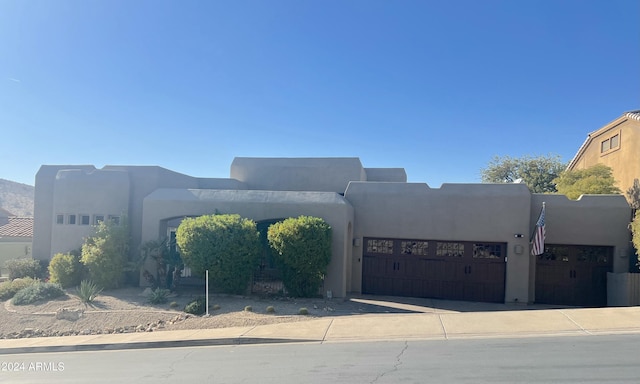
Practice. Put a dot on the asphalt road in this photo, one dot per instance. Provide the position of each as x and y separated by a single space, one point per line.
568 359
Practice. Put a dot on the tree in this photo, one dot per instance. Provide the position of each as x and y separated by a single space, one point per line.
633 194
537 172
303 251
105 253
635 231
165 259
226 245
595 180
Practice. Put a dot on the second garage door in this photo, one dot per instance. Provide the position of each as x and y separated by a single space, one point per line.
453 270
573 275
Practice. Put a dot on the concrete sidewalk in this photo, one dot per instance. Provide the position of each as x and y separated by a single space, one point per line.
436 324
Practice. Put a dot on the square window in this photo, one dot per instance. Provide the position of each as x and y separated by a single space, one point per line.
59 219
71 219
84 220
604 147
615 141
114 219
97 219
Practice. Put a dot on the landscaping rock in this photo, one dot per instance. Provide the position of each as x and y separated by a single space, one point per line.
69 314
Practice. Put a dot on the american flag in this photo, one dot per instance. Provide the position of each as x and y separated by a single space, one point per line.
537 243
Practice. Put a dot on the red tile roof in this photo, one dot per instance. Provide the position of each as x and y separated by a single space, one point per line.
17 227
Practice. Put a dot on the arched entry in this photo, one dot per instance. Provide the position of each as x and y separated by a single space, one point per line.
267 278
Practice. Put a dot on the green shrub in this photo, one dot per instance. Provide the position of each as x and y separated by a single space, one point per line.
159 296
271 309
228 246
303 251
196 307
9 288
248 308
635 230
104 254
303 311
19 268
38 291
88 291
173 304
65 269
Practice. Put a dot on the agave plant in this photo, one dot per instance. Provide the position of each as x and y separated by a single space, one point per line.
158 296
88 291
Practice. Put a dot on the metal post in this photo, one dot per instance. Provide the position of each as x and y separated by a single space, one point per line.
207 292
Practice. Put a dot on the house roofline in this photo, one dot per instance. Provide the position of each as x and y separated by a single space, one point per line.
635 115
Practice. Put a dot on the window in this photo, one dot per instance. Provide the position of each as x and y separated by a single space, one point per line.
450 249
487 251
414 248
555 253
59 219
615 141
97 219
84 220
610 144
71 219
114 219
594 254
380 246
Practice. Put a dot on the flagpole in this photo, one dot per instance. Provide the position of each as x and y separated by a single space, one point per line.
533 233
538 235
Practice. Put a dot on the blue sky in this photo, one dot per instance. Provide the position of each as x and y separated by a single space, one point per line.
436 87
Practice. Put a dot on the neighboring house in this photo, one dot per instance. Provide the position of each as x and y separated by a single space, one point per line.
16 234
616 145
390 237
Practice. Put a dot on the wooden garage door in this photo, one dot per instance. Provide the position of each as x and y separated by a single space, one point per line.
452 270
573 275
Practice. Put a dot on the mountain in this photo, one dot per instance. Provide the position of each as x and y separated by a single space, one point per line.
16 198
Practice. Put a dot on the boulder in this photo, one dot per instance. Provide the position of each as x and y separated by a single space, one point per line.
70 314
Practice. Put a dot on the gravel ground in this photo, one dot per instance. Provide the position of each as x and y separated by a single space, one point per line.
128 310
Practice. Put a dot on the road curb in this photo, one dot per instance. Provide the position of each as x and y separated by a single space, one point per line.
151 344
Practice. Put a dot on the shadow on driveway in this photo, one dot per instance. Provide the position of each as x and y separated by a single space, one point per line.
363 304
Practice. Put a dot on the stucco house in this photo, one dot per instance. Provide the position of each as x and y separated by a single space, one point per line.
16 234
390 237
616 145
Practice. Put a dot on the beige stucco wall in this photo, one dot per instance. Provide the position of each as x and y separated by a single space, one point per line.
146 179
166 204
590 220
464 212
297 174
625 161
83 189
43 216
398 175
81 192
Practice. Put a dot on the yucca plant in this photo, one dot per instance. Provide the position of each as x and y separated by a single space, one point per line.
88 291
158 296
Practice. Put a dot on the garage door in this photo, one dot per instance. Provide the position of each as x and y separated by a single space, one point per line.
573 275
453 270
